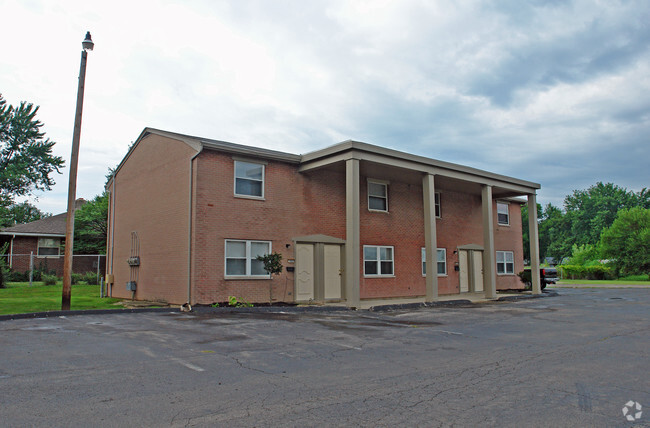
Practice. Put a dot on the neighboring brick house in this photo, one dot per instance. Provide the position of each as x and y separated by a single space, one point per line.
188 215
41 242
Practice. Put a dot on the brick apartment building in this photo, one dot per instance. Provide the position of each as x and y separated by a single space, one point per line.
188 216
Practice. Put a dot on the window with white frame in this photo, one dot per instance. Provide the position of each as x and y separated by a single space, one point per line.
505 262
377 195
503 217
249 179
49 246
241 258
442 261
378 261
437 204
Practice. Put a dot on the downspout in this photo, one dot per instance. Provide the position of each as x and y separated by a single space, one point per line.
112 232
11 252
189 233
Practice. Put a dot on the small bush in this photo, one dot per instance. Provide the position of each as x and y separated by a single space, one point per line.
15 276
49 279
598 272
90 278
75 278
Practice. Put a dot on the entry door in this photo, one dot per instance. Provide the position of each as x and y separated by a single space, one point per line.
464 271
332 271
304 272
478 270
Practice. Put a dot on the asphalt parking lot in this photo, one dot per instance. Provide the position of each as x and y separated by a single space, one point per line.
571 360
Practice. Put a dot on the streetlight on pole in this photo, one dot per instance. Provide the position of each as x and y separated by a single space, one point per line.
87 45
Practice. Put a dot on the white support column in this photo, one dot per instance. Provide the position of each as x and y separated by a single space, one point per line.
352 233
430 238
489 263
534 243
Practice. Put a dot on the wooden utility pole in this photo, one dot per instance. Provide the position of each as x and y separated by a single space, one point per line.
87 45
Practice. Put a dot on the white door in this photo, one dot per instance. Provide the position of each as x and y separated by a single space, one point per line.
304 272
332 255
464 271
478 270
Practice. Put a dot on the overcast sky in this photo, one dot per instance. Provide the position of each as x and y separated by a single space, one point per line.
555 92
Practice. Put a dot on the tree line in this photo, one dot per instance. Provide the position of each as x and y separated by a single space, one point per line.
605 222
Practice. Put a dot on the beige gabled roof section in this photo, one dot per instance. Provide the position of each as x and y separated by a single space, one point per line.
338 153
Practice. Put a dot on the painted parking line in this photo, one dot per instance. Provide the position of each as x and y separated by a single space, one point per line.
188 365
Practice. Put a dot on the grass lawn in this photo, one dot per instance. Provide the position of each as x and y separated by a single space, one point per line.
20 298
636 280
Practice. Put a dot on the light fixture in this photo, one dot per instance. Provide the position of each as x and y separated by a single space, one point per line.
88 44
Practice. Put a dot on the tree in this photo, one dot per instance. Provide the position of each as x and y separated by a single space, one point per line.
26 160
20 214
90 226
627 241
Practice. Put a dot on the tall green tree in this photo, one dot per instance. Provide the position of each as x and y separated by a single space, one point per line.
627 241
592 210
90 226
26 159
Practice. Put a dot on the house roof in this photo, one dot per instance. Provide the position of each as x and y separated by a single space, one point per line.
52 226
504 186
49 226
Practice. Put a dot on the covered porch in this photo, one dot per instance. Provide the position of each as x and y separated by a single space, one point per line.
356 159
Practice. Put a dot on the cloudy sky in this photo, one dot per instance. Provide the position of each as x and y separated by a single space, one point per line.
555 92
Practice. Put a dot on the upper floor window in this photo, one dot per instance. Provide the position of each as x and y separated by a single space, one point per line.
48 246
249 179
505 262
442 262
241 258
502 214
437 204
377 196
378 261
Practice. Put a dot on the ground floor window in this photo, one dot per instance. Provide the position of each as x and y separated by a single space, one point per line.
378 261
241 258
49 246
442 262
505 262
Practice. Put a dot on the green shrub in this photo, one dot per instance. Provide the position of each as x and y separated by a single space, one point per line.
598 272
90 278
49 279
75 278
15 276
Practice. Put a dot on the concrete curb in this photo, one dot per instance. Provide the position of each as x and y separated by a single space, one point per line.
268 309
54 314
546 293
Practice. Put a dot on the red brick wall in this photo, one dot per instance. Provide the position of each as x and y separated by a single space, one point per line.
152 198
508 238
297 204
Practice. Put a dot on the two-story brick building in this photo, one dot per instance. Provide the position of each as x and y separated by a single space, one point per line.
188 216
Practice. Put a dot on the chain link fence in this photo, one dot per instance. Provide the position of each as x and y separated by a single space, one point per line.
31 267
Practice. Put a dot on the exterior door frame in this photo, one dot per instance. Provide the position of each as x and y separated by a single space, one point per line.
473 251
319 242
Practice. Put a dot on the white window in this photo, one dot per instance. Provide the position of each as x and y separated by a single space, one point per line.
377 196
241 258
249 179
377 261
442 262
505 262
48 246
437 204
502 214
